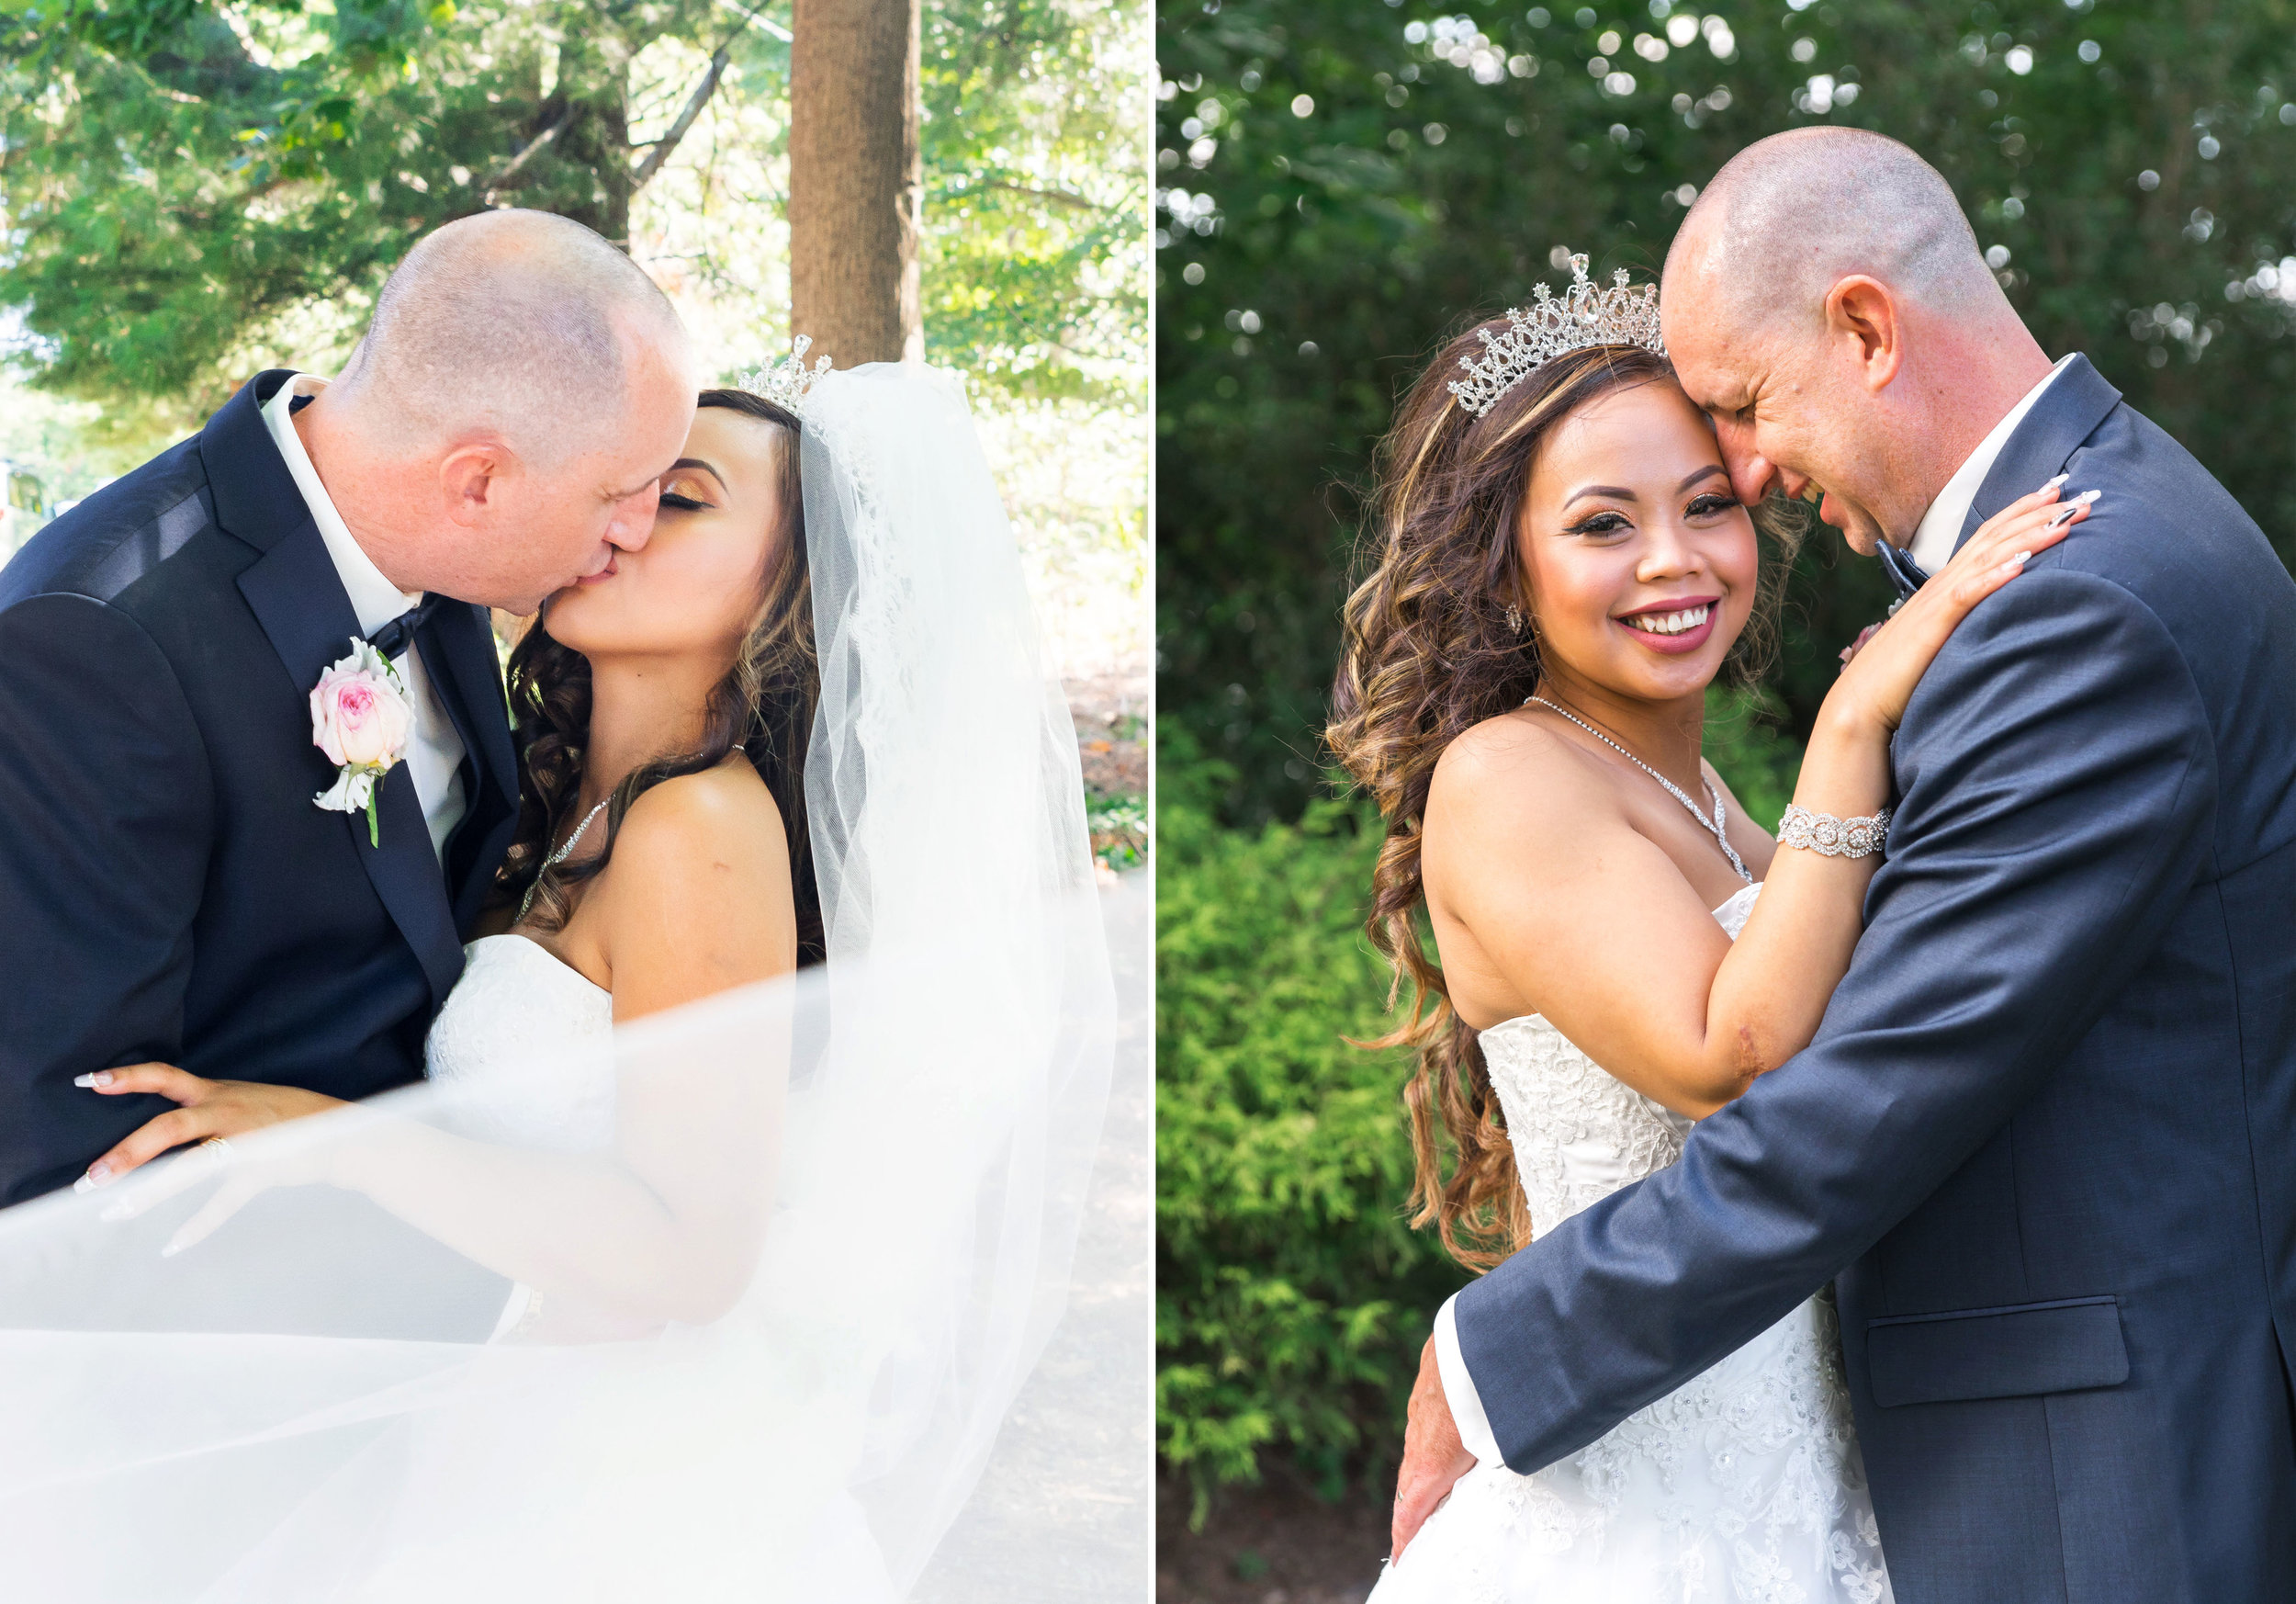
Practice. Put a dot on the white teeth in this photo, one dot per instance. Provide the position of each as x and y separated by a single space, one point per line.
1678 623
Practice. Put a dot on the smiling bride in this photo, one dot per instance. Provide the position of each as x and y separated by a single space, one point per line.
1566 567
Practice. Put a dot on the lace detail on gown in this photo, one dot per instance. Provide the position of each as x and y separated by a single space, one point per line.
525 1044
1743 1485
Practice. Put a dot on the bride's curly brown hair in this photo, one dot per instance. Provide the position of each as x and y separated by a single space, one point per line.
1427 653
764 706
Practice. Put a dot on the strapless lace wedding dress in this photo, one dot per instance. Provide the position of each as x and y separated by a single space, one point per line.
525 1050
1744 1485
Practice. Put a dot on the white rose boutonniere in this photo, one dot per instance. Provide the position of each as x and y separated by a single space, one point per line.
361 720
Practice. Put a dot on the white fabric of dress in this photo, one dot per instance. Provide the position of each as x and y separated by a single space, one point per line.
526 1044
1744 1485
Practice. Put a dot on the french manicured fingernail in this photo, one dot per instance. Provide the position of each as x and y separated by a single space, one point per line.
2054 482
2064 514
101 1077
98 1174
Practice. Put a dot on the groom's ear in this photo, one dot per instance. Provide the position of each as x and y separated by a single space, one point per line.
471 477
1863 322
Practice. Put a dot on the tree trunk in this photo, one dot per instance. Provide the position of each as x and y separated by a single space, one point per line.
856 179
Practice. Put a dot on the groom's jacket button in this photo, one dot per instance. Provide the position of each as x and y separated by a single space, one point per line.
2013 1351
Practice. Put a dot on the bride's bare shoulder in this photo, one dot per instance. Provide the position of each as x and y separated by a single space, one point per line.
697 899
1510 772
720 824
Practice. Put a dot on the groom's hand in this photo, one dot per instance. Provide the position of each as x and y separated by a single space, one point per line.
1433 1457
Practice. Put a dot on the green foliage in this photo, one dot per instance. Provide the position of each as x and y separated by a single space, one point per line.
179 181
1119 826
1291 1298
189 188
1756 759
1345 184
1036 194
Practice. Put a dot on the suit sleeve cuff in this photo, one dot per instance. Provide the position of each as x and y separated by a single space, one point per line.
1459 1389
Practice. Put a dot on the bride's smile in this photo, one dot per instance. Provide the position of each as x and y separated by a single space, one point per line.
1676 628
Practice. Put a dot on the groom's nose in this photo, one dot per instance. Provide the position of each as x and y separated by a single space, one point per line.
633 522
1752 475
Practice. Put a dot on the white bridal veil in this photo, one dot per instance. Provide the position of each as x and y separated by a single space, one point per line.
894 1145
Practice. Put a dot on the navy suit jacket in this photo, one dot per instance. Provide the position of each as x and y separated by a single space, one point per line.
167 889
2044 1134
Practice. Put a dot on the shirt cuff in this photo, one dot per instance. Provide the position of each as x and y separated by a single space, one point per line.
1459 1389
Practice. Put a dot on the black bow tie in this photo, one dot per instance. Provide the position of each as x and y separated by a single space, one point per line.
393 639
1905 573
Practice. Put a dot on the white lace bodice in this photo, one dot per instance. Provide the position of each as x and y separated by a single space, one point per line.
1744 1483
1579 1135
526 1046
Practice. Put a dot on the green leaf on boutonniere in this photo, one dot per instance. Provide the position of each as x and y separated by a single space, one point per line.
373 821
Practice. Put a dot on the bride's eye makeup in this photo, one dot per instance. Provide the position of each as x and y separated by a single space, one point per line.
1598 525
1707 505
686 487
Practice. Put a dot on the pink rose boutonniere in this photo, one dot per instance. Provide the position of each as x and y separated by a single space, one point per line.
360 719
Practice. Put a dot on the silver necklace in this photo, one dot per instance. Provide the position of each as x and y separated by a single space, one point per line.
1711 826
555 858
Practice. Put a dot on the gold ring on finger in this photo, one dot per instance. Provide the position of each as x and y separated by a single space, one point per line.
222 1148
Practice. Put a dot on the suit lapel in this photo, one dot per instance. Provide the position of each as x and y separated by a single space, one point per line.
2067 412
299 599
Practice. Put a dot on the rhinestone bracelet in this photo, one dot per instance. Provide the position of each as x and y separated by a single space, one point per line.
1830 837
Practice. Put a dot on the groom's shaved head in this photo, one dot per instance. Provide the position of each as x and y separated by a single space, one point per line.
1825 304
518 324
1790 216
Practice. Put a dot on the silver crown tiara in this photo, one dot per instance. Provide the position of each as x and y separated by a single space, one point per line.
784 383
1548 327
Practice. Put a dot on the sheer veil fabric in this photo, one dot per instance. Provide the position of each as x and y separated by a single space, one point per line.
890 1150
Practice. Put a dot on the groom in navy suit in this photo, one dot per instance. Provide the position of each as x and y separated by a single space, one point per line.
2045 1142
171 889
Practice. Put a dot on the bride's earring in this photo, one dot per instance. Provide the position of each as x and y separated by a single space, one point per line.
1515 620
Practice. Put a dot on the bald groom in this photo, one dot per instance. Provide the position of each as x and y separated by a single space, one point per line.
170 890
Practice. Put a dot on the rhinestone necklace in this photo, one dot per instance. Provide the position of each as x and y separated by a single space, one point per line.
555 858
1711 826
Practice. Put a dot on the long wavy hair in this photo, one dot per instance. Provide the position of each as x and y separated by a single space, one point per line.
764 706
1427 653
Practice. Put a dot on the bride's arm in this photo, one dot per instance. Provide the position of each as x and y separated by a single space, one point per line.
697 901
1581 912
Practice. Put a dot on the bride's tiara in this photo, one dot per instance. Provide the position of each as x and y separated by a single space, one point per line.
1548 327
784 383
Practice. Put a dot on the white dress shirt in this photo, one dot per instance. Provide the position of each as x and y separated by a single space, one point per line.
1933 542
435 752
1932 547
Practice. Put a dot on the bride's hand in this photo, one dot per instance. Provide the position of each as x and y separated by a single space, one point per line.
209 1108
1883 667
